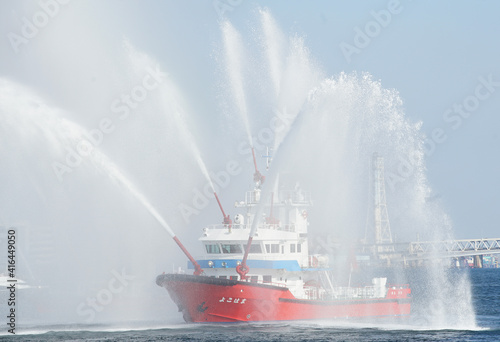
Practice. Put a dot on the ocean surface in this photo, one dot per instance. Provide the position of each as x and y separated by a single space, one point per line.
485 298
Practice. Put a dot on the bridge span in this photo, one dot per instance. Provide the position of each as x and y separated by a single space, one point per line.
408 253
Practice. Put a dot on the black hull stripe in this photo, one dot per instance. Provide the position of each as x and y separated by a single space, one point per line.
162 279
347 302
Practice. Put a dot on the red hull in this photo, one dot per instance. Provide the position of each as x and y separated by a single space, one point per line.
205 299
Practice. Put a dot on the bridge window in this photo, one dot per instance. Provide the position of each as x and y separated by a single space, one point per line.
292 248
255 248
213 249
267 279
299 248
231 249
272 248
254 279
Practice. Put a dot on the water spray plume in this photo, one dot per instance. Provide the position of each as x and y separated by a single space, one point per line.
53 127
204 170
234 52
172 100
273 46
331 130
353 116
104 163
190 143
173 104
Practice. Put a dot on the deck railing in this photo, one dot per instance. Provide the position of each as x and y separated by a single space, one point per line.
297 198
281 227
315 293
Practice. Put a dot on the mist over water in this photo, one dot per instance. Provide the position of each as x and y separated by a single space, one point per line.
94 222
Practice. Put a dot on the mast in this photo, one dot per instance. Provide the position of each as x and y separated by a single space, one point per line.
242 269
268 157
271 219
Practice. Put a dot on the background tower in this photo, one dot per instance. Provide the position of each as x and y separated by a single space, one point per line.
381 216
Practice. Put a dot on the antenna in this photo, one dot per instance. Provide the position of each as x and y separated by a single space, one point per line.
269 157
242 269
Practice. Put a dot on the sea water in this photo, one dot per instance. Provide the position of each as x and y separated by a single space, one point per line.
486 301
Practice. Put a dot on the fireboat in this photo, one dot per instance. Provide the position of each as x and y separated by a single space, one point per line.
258 268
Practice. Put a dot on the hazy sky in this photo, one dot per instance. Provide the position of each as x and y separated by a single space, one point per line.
441 56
